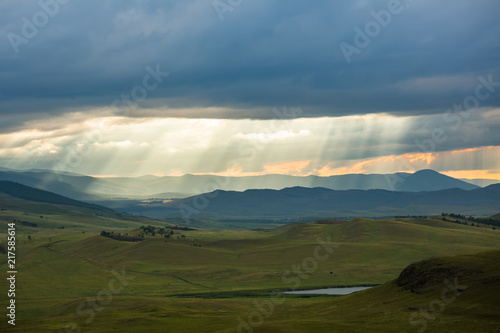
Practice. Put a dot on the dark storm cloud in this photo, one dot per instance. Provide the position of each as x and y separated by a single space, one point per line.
263 54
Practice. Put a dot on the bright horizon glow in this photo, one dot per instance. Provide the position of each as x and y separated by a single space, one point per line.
106 146
166 88
459 174
473 174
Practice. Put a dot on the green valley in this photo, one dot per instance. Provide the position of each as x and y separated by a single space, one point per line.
207 279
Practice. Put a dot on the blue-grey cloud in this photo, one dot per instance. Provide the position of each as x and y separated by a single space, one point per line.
265 53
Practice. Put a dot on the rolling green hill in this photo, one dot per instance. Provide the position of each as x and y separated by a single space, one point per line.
445 294
32 194
370 251
410 302
206 287
40 212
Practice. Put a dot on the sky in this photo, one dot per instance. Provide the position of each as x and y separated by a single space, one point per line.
240 87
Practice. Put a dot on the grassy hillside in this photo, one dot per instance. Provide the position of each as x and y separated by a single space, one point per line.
369 252
470 305
38 218
20 191
208 280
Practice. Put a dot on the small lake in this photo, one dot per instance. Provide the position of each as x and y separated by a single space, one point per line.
327 291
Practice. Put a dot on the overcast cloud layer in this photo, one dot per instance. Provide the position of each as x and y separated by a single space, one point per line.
67 65
263 54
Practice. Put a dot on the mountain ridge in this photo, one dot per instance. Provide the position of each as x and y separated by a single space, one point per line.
89 188
303 201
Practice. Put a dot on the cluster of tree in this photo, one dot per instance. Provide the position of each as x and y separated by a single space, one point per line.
121 237
153 231
167 233
196 245
175 227
328 221
408 216
460 222
145 232
465 220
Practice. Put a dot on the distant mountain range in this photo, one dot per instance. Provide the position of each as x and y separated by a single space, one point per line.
295 202
98 189
322 202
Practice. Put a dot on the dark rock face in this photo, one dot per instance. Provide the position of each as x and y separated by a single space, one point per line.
430 274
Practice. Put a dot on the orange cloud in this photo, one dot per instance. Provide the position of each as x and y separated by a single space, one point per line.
104 176
236 171
385 164
175 173
473 174
295 168
409 162
469 150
